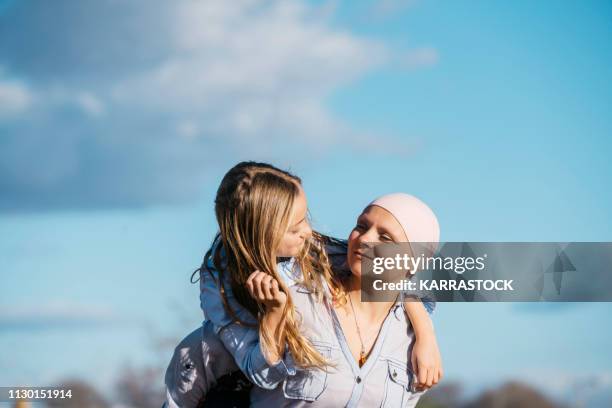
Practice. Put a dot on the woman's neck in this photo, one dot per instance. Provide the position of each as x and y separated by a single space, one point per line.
370 309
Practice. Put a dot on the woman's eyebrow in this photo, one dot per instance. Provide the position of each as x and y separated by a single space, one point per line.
383 230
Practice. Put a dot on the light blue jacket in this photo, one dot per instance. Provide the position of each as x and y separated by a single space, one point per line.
241 341
385 380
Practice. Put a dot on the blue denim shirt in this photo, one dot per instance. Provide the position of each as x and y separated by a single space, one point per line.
385 380
242 341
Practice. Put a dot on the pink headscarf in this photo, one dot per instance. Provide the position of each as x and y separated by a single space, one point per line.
416 218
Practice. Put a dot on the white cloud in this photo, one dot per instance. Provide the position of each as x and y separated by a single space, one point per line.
15 98
55 313
239 65
167 83
90 104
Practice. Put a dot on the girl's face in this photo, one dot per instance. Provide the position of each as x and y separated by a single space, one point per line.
299 229
374 225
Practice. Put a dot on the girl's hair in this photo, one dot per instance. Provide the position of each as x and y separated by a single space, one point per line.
253 208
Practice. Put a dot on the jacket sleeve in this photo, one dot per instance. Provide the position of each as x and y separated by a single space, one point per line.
190 376
241 341
429 303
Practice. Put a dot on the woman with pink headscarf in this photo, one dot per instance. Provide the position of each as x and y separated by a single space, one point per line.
367 344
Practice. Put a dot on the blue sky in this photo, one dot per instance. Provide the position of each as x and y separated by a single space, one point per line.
117 122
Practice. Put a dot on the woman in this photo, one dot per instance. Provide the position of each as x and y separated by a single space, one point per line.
261 212
365 344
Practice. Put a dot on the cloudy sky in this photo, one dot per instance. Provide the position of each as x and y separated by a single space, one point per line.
118 118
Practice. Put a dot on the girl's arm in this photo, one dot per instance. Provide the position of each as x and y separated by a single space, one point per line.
264 288
425 358
241 341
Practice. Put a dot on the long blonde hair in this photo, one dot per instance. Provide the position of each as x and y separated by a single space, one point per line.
253 206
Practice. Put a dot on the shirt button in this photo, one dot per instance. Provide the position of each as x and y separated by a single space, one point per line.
358 379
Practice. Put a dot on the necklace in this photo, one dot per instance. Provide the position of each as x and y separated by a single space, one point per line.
362 355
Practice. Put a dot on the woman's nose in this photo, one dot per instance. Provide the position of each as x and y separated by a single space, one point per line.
367 237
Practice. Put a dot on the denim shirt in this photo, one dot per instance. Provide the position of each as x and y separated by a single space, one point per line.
241 341
385 380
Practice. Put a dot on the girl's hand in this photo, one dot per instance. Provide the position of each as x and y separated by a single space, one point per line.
426 362
264 288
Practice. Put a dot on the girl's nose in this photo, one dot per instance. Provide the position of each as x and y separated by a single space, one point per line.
306 232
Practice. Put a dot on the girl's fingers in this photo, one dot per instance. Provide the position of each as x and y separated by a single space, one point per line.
249 286
274 289
257 286
436 375
262 287
266 287
249 281
422 376
430 375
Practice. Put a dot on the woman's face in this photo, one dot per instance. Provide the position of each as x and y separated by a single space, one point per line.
299 229
374 225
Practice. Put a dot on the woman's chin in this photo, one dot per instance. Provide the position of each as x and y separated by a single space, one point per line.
355 266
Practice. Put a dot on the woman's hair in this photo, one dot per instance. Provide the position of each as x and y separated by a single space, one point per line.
253 208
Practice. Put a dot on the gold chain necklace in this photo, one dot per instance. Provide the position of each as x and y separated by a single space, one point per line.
362 355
